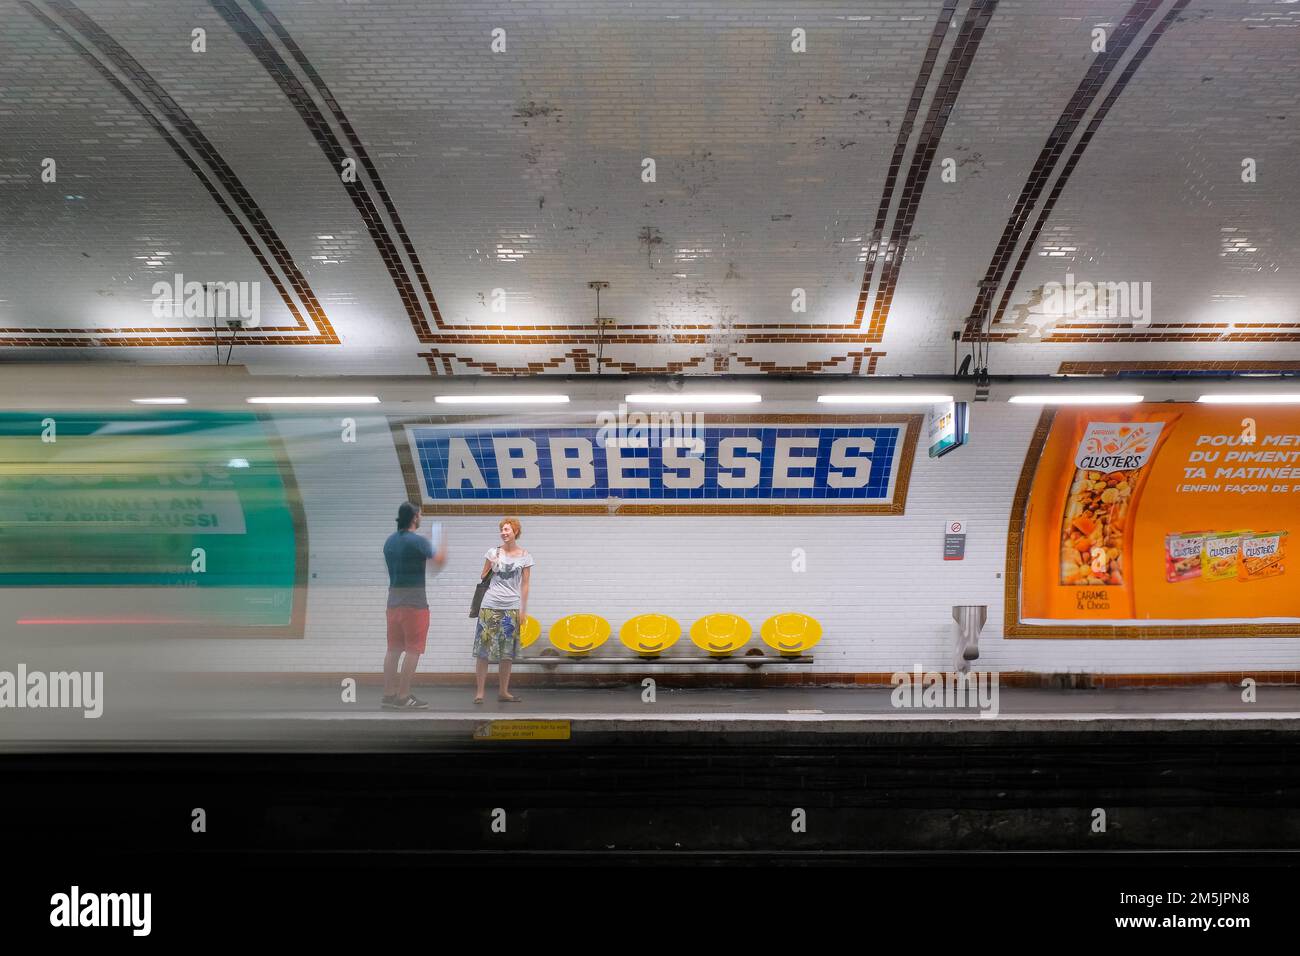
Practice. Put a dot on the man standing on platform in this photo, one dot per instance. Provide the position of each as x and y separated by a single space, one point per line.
407 554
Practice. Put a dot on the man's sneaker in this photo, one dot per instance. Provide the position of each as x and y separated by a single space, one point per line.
389 702
410 703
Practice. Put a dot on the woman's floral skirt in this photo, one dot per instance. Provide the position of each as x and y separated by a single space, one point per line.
497 634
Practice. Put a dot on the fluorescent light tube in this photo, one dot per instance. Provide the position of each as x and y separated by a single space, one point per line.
314 400
1246 398
1075 398
883 399
522 399
692 398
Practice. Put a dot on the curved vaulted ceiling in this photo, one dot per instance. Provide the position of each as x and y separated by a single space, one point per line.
903 170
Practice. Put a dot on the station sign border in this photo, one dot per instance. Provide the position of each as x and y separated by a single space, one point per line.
905 455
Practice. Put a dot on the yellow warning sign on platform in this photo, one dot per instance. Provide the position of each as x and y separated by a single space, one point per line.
522 730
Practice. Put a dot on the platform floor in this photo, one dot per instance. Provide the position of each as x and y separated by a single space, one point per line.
301 714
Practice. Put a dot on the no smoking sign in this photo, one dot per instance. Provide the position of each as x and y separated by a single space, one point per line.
954 541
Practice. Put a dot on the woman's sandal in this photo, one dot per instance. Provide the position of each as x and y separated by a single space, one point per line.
509 699
478 700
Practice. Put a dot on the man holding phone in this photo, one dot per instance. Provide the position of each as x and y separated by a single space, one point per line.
407 554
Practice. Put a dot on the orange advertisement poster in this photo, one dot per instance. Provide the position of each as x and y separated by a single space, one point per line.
1163 515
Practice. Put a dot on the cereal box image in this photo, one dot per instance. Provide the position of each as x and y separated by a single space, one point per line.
1183 556
1261 555
1221 556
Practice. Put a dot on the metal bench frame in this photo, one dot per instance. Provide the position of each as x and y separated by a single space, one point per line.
550 658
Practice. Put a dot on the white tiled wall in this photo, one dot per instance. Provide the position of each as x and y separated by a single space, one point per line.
879 585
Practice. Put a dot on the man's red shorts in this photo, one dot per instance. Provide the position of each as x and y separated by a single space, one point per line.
407 629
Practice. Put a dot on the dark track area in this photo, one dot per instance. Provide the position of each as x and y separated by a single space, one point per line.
878 794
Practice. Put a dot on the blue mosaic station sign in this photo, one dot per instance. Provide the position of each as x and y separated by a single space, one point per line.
805 464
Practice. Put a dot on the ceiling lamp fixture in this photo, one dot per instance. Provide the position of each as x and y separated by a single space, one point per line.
1247 398
603 322
1075 398
855 398
521 399
696 398
314 400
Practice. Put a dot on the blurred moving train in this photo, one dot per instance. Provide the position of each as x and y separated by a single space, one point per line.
189 521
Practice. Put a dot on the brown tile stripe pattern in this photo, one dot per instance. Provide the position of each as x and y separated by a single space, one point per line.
43 336
184 335
363 156
1011 626
672 368
900 149
1179 325
946 93
258 44
945 97
1226 365
247 30
590 337
1117 336
1089 87
334 151
443 363
625 506
242 24
856 358
1076 154
193 167
1144 9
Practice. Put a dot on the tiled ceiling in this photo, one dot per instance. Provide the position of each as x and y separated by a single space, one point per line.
922 168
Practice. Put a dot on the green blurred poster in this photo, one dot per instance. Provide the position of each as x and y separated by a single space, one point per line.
201 504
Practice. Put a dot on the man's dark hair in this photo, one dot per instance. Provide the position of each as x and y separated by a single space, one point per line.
406 513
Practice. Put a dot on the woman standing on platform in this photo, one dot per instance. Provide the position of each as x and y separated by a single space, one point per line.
504 610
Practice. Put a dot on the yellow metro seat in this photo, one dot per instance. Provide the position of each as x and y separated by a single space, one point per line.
650 634
579 633
791 633
530 632
721 634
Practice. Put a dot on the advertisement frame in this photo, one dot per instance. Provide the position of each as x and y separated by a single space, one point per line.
1014 629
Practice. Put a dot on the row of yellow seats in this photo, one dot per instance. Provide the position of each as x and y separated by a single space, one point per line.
721 635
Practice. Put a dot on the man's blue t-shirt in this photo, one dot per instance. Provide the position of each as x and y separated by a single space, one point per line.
405 553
